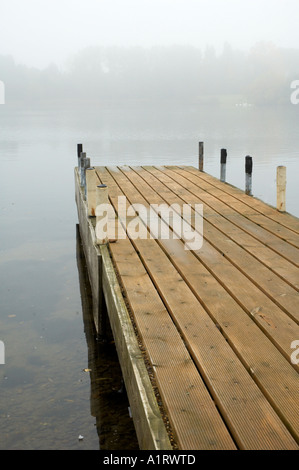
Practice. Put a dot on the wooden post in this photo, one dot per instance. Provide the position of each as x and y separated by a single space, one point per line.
79 151
281 188
86 164
81 169
248 175
102 216
200 156
223 157
91 185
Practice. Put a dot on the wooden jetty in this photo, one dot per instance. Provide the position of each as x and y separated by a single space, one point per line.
206 337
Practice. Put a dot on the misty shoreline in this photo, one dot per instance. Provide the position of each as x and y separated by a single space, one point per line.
180 74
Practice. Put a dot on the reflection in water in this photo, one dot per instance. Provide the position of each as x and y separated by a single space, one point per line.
108 399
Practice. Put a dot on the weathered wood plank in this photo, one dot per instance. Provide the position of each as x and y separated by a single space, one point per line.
236 212
192 413
150 429
253 204
222 317
148 422
218 214
240 327
241 262
176 304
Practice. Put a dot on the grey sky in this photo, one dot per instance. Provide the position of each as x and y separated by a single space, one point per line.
38 32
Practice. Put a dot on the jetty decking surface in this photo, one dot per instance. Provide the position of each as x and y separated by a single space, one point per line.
216 324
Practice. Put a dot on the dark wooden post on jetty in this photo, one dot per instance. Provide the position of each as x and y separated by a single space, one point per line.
248 175
81 169
223 157
79 151
85 164
200 156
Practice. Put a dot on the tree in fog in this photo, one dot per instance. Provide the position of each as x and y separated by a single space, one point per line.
267 74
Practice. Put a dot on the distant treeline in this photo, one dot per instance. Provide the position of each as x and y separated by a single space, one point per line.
260 76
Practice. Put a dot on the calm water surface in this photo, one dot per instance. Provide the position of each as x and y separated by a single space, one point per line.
47 398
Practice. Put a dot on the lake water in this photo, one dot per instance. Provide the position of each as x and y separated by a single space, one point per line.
58 382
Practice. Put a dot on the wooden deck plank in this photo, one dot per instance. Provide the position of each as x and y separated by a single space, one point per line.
150 428
229 208
149 425
251 204
216 361
116 175
259 351
192 413
232 275
216 212
216 323
284 295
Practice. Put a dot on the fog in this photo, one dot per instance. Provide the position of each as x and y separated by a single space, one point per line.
39 32
198 50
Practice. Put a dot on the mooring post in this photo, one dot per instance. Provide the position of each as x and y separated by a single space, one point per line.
86 164
91 185
223 157
281 182
81 170
79 151
102 215
200 156
248 175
